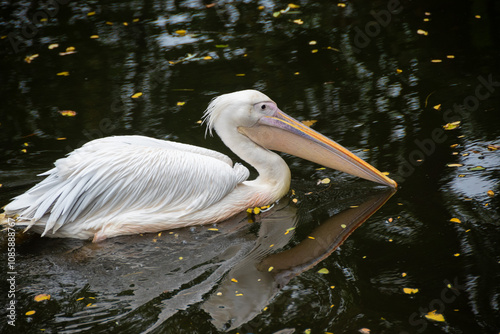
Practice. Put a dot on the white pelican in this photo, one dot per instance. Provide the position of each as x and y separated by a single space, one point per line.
134 184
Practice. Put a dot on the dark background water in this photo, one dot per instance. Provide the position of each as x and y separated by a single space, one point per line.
364 71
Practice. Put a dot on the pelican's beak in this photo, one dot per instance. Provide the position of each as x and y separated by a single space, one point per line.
283 133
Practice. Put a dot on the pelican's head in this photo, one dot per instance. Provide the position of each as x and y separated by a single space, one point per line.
257 117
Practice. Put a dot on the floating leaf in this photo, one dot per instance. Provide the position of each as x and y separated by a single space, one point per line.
270 269
432 315
53 46
325 181
67 113
63 74
43 296
451 126
404 274
364 331
180 32
181 103
422 32
293 6
477 168
81 298
493 147
455 220
234 280
323 271
309 123
29 59
90 13
212 229
341 4
298 21
136 95
490 193
454 165
399 71
436 61
343 225
94 36
437 107
30 312
410 291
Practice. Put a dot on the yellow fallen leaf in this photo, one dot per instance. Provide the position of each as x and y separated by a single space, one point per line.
67 113
136 95
293 6
450 56
456 254
437 107
270 269
29 59
63 74
436 61
341 4
404 274
135 20
312 238
234 280
30 312
207 58
325 181
212 229
81 298
454 165
410 291
451 126
53 46
323 271
399 71
40 297
492 147
298 21
109 23
94 36
364 331
90 13
309 123
432 315
181 103
422 32
455 220
180 32
490 193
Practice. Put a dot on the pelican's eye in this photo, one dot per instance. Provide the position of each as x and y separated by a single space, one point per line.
263 107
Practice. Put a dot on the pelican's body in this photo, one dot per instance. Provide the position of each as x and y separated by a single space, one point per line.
134 184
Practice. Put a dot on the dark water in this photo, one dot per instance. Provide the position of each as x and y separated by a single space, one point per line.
364 71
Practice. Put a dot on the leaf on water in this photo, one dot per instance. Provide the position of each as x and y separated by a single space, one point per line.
432 315
477 168
90 13
325 181
323 271
293 6
436 60
455 220
270 269
422 32
30 312
40 297
181 32
343 225
454 165
136 95
298 21
437 107
456 254
63 74
234 280
451 126
53 46
410 291
81 298
492 147
94 36
403 274
309 123
67 113
181 103
221 46
364 331
29 59
490 193
341 4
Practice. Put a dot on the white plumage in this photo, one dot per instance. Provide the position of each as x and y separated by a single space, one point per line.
134 184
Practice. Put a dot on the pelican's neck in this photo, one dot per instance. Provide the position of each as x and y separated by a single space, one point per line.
274 174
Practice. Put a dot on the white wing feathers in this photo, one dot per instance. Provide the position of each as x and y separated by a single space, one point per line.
113 175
